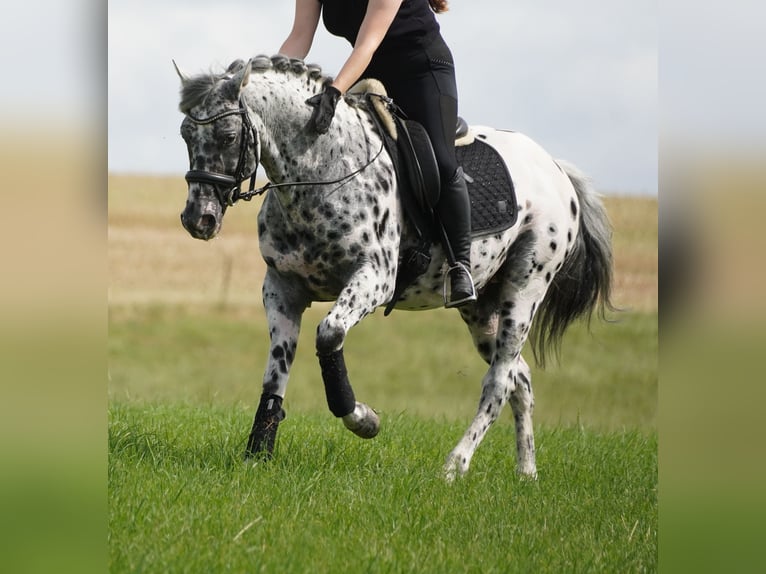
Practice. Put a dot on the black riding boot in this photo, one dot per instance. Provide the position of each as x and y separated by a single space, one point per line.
454 211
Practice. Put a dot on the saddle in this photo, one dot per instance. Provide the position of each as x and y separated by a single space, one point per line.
490 187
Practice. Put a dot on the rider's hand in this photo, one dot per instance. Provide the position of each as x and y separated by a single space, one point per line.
324 108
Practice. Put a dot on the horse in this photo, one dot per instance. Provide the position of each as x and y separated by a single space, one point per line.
331 227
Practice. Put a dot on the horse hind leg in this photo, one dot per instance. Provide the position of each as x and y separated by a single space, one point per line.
508 377
503 382
523 404
482 320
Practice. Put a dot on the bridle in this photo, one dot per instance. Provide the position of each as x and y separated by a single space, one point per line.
249 133
233 189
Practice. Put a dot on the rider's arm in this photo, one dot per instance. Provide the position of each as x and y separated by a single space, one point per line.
299 41
378 18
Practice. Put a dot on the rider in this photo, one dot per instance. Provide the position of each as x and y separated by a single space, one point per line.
398 42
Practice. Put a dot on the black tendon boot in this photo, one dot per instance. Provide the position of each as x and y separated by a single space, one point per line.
454 211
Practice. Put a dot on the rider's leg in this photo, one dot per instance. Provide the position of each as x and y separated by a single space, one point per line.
454 211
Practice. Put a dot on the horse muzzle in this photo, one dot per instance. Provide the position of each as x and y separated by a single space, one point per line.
202 223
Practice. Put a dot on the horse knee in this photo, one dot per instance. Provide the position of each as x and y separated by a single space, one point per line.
330 337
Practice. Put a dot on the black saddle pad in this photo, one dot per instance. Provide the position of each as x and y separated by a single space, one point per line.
490 187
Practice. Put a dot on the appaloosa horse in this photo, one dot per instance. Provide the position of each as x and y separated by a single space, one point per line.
332 228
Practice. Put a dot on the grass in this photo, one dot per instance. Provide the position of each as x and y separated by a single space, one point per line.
182 500
424 363
187 347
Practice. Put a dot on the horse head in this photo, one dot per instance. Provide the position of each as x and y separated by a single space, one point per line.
222 144
257 113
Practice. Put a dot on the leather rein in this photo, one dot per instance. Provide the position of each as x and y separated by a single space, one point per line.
250 137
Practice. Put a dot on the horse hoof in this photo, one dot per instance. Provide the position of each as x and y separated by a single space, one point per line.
363 421
455 467
527 473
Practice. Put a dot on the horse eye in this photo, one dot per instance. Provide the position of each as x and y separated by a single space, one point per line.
229 138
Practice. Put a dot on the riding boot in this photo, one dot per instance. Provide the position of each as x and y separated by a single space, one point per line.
454 211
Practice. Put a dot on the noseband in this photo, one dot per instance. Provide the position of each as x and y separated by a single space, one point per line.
232 184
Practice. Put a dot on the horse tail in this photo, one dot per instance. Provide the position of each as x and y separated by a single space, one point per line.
584 282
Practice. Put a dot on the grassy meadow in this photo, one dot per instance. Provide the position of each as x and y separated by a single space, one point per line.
187 347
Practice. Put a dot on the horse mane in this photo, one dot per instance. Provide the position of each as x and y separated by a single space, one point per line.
195 90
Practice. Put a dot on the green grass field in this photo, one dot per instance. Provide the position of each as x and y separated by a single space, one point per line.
187 346
181 499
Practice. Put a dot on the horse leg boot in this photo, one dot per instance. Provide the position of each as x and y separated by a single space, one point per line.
264 432
284 303
454 211
359 298
357 417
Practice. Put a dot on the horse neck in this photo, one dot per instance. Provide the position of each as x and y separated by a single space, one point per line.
290 150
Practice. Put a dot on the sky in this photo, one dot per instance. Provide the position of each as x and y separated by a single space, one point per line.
580 78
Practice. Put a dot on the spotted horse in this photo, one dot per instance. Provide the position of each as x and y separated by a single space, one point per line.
331 228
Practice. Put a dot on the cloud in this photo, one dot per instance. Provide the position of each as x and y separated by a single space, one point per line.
713 87
579 78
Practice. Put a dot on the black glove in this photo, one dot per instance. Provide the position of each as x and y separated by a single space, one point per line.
324 108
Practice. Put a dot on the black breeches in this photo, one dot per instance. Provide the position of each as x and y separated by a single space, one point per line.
422 83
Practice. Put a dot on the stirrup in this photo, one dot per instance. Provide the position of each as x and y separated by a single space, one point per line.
448 304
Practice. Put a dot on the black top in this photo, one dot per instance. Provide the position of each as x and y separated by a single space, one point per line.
413 26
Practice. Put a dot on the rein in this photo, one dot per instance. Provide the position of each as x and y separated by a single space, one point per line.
235 193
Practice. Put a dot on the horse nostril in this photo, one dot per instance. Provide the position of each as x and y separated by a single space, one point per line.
207 222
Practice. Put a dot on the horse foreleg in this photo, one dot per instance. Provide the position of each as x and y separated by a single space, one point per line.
284 305
359 298
357 417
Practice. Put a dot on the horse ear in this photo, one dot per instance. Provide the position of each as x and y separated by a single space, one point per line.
239 80
184 77
246 73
